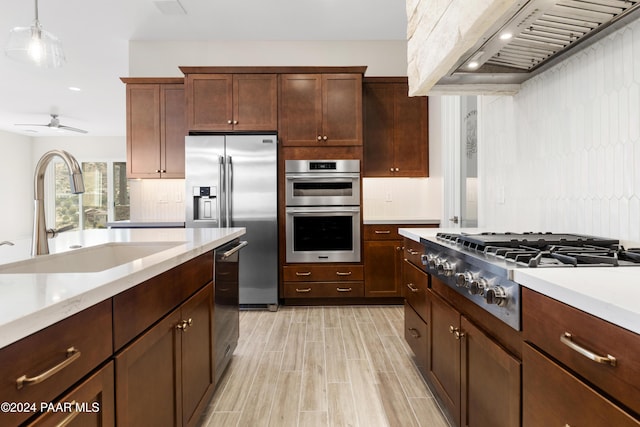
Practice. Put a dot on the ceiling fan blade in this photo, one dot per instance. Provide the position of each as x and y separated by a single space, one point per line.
30 124
72 129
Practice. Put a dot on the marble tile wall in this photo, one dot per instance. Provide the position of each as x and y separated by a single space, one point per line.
564 153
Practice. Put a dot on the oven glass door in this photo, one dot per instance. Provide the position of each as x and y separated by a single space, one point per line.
323 234
322 190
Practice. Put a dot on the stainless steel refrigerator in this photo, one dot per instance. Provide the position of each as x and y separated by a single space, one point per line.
231 181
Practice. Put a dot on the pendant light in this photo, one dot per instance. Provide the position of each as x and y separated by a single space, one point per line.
35 46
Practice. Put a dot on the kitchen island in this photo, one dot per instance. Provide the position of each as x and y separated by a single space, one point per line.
118 326
568 359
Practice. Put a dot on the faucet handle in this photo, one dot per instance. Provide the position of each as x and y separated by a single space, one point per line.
53 232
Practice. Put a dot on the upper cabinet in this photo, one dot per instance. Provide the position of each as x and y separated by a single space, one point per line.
231 102
156 127
396 141
321 109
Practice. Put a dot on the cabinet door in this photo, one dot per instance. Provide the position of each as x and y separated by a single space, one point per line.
209 102
300 109
444 368
342 109
143 131
91 404
148 378
173 130
255 102
490 381
378 129
197 354
410 134
382 268
554 397
416 334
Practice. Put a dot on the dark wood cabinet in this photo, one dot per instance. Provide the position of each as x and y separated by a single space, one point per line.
165 377
231 102
416 333
308 281
156 127
90 404
476 379
320 109
553 396
572 339
396 131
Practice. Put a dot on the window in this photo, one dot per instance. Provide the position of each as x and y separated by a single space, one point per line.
105 197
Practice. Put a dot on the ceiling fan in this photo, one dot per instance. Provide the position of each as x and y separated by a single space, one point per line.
54 123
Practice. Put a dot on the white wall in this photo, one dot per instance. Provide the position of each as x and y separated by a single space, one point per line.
16 186
388 199
564 153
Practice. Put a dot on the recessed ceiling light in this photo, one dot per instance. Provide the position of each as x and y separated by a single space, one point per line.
74 89
505 36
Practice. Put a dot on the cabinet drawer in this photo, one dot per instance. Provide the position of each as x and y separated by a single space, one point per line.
413 252
322 273
546 321
138 308
94 400
75 345
416 334
554 397
381 232
324 290
415 283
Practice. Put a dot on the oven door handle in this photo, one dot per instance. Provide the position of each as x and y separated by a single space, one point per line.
323 210
324 177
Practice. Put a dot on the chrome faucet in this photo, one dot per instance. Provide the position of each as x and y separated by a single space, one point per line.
40 244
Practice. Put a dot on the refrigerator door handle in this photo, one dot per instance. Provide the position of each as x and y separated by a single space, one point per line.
222 196
229 193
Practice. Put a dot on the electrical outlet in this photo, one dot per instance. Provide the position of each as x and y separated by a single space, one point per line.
388 197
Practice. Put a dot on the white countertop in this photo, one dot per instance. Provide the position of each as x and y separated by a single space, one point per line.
610 293
385 221
31 302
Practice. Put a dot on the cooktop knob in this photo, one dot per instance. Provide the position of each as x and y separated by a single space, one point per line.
495 295
429 259
445 268
463 279
477 286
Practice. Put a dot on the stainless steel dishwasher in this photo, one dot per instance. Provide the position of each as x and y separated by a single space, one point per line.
226 303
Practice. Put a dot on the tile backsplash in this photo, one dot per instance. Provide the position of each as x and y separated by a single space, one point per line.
157 200
401 199
564 153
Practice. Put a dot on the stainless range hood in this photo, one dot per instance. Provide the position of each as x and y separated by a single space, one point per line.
531 37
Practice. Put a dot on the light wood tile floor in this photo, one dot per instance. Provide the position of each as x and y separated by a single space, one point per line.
323 366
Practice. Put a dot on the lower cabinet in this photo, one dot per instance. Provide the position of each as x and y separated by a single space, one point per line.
416 333
166 375
304 281
555 397
90 404
477 380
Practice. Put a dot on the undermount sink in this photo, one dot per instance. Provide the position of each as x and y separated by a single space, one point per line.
88 260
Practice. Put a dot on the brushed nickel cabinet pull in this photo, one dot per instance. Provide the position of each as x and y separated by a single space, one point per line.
412 287
456 332
382 231
303 291
412 252
346 273
67 420
73 354
414 332
303 273
184 324
344 289
567 339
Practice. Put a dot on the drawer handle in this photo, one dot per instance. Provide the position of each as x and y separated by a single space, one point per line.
184 324
74 413
414 332
303 273
567 339
412 252
412 287
303 291
344 289
347 273
382 231
73 354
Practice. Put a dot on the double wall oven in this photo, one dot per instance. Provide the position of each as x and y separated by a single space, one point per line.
322 210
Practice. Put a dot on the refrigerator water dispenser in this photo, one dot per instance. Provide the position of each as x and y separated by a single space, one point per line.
205 204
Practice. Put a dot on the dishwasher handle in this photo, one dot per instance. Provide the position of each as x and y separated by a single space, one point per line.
235 249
